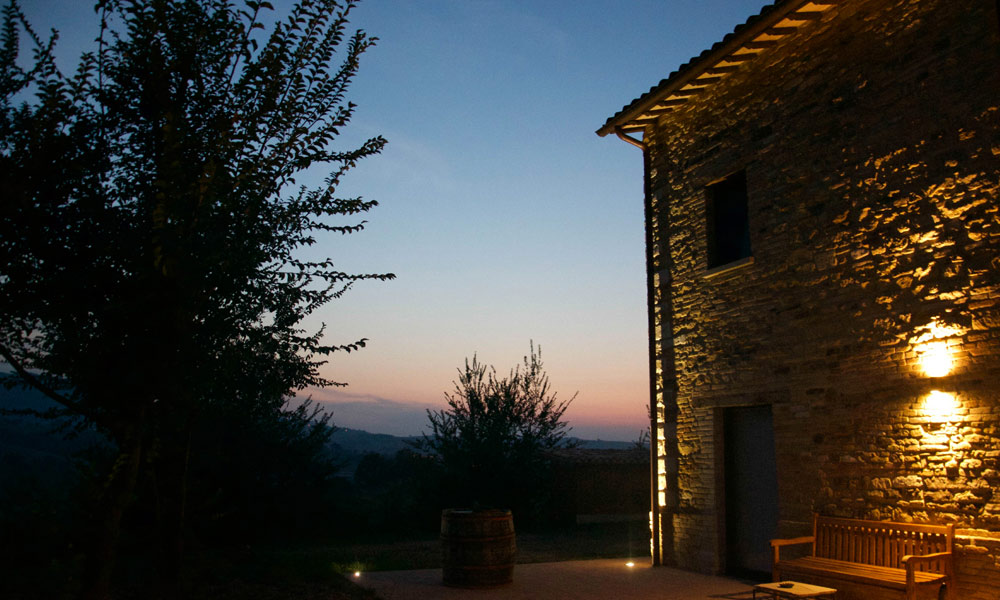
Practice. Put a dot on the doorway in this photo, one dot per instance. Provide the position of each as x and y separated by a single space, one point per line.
751 490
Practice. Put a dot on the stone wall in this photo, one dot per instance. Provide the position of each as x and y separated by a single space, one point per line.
871 145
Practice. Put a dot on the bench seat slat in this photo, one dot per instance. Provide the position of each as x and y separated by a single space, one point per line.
871 553
857 572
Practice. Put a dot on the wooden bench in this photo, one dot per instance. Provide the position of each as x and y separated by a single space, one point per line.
898 556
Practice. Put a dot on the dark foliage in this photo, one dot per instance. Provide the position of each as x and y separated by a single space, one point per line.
493 437
398 495
153 273
271 471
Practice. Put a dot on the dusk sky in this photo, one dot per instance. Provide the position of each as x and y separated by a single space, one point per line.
503 215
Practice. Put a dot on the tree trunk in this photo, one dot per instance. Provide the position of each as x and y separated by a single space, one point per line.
116 498
171 512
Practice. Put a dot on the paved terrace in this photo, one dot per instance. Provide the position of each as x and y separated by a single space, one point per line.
572 580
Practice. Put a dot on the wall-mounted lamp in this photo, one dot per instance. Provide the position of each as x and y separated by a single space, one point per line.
933 350
935 359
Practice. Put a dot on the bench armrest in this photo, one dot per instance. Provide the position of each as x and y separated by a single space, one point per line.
777 544
808 539
913 559
910 562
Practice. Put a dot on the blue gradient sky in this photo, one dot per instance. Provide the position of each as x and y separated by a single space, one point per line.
504 217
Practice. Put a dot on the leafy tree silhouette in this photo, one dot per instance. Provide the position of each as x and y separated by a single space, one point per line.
493 437
153 234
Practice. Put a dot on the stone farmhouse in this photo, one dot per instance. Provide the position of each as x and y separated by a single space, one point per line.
822 195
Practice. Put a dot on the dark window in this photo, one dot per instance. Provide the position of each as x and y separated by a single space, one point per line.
728 224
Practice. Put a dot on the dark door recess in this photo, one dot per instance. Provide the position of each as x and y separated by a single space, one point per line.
751 490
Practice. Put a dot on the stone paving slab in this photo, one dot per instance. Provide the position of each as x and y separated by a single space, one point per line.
577 580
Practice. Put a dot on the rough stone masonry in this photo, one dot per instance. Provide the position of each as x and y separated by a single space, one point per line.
870 143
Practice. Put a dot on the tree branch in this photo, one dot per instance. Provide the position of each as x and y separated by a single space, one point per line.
39 385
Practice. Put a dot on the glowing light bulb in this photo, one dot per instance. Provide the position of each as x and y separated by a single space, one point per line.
935 359
931 342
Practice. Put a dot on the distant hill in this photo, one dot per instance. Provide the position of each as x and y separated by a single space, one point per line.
363 442
18 398
350 445
35 439
357 441
33 446
603 445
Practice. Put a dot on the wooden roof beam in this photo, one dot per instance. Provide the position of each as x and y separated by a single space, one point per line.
739 58
760 45
670 103
685 93
806 15
719 70
639 125
781 31
755 36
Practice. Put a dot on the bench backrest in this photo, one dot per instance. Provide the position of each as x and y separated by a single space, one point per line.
879 543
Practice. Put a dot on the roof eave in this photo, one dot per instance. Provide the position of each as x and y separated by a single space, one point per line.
625 120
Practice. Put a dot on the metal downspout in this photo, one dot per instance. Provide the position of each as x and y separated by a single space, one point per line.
656 550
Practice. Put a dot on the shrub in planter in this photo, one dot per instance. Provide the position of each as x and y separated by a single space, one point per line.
493 438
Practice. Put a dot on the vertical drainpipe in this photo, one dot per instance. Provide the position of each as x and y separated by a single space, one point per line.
655 513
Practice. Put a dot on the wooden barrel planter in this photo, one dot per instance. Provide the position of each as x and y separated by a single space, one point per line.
478 547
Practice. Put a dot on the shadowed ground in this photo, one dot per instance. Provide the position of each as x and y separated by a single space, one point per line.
572 580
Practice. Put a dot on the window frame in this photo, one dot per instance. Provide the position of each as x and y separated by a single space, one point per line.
731 192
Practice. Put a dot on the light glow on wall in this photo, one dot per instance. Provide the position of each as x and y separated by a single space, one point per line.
940 406
941 430
661 480
934 344
935 359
